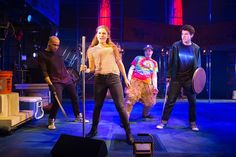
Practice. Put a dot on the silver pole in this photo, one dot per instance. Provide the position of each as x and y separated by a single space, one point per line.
209 92
83 78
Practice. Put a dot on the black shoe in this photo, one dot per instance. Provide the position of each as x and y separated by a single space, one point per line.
91 134
148 116
129 139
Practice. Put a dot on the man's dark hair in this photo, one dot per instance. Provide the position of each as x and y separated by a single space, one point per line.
188 28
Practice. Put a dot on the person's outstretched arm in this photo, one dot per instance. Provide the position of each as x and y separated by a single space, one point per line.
130 73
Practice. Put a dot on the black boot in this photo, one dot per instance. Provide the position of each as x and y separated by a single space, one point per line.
92 133
129 138
96 116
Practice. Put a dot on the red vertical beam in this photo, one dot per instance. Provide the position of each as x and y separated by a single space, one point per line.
105 13
176 12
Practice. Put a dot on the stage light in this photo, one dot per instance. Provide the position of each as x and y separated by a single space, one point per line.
23 57
29 18
143 147
56 34
35 54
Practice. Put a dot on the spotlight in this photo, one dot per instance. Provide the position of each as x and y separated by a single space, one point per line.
23 57
35 54
143 146
29 18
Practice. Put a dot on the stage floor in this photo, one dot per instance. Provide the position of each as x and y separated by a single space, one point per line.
216 120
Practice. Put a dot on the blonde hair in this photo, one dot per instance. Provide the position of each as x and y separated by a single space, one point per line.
95 40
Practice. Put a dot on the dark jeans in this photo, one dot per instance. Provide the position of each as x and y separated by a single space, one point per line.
172 95
101 85
71 89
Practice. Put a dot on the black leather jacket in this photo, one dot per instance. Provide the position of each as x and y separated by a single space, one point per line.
173 60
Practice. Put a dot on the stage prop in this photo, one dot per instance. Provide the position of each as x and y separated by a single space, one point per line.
35 90
234 95
10 114
199 80
32 103
5 82
74 146
59 104
143 146
83 83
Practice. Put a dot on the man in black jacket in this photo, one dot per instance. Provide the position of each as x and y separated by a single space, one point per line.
184 59
58 79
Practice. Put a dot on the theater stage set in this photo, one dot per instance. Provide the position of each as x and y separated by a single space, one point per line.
216 138
24 30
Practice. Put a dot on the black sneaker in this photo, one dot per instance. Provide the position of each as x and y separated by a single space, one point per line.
148 116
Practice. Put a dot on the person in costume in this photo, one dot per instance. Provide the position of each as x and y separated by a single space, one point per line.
143 83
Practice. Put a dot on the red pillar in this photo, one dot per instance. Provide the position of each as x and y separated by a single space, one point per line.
105 13
176 13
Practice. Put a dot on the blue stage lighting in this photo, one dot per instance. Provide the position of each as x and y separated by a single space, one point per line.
29 18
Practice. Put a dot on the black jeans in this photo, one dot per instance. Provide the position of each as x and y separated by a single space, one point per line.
71 89
101 85
172 95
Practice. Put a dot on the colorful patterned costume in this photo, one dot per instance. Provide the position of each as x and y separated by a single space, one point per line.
142 88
